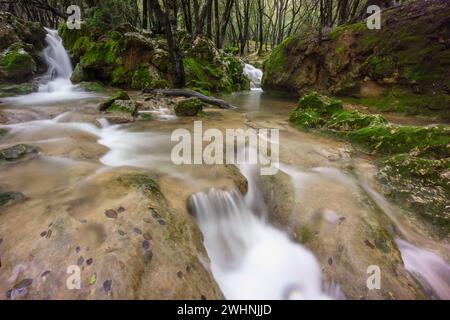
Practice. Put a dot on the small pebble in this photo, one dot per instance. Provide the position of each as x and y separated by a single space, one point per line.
154 213
148 257
203 297
49 234
122 233
147 237
25 283
180 274
43 234
1 240
330 261
45 273
89 261
146 245
369 244
121 210
137 231
107 285
162 222
112 214
77 249
80 261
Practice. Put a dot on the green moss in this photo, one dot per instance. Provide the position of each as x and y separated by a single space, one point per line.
321 104
17 152
304 235
141 78
16 62
3 131
389 139
101 53
9 198
353 120
338 31
189 107
379 67
124 106
306 118
118 95
92 86
404 101
419 183
341 49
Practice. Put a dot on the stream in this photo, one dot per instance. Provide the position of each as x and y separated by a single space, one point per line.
252 240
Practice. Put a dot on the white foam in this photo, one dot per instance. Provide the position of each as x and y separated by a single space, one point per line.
254 75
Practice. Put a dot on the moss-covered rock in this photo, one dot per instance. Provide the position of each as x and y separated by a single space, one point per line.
138 60
16 64
91 86
118 95
9 198
401 67
125 106
422 185
20 47
17 152
14 89
189 107
417 172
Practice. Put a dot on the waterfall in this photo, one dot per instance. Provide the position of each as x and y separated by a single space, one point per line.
250 259
55 85
254 75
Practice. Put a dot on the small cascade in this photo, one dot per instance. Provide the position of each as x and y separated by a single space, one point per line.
55 85
250 259
255 75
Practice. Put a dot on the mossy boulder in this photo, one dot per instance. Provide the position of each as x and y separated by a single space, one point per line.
16 64
17 152
20 47
422 185
138 60
189 107
14 89
9 198
124 106
91 86
401 67
118 95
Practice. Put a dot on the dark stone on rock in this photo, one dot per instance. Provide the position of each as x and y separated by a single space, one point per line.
330 261
8 294
17 152
118 95
45 273
146 236
369 244
203 297
121 210
49 234
154 213
146 245
180 274
162 222
122 233
77 249
189 107
43 233
112 214
10 198
137 231
25 283
1 240
107 285
80 261
89 261
148 255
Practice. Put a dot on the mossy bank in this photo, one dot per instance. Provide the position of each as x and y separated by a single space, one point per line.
413 162
403 67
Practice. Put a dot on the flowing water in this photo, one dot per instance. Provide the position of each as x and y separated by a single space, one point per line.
251 240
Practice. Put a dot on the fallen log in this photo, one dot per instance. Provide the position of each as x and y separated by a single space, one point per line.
191 94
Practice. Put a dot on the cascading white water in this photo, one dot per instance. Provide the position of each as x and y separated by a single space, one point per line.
55 85
254 75
250 259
